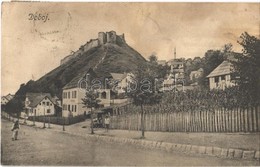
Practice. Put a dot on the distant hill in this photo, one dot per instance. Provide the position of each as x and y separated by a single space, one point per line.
108 53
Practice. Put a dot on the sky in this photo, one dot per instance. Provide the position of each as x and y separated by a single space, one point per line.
32 48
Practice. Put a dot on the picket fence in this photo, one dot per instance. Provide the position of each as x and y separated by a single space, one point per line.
218 120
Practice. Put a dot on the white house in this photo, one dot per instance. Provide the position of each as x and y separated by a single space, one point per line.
122 81
6 99
162 62
220 77
38 104
196 74
75 91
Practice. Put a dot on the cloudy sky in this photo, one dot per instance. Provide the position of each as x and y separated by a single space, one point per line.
30 48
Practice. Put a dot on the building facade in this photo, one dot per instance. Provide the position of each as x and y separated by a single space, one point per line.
121 81
220 77
196 74
39 104
75 91
6 99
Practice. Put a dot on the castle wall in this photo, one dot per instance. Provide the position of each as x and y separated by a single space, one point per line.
65 59
103 38
122 37
69 57
91 44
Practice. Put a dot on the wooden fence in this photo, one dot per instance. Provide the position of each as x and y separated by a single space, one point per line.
218 120
58 120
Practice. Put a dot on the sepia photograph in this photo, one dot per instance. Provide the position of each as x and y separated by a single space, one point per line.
130 83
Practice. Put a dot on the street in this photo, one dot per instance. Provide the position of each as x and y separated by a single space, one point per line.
37 146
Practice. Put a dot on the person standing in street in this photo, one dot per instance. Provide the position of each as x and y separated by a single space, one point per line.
15 129
107 122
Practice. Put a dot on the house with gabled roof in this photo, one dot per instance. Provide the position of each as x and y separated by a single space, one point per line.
6 99
121 81
220 77
75 91
38 104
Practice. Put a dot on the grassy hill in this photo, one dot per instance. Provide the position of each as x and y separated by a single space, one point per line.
105 58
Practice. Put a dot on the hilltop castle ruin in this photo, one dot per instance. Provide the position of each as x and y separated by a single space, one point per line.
103 38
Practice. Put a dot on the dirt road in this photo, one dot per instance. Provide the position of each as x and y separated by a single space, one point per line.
47 147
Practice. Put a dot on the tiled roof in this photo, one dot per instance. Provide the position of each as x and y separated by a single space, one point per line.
168 81
9 97
74 82
223 69
36 98
92 75
118 76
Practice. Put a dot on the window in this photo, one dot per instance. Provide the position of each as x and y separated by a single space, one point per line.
48 110
43 103
75 108
72 106
65 95
103 95
68 95
74 94
64 107
216 79
69 107
222 77
48 103
40 103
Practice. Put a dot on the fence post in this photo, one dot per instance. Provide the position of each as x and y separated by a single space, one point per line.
49 122
256 117
239 119
34 119
63 123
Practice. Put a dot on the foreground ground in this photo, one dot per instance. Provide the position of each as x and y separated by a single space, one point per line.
49 147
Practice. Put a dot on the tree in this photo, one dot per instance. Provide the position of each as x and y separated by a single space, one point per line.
143 91
227 48
16 105
91 101
213 58
247 68
153 59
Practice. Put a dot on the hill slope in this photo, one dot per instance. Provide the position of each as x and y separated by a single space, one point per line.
110 57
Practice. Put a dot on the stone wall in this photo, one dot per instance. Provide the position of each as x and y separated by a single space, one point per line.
91 44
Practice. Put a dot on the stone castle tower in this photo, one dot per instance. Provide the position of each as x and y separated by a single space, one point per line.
103 38
110 37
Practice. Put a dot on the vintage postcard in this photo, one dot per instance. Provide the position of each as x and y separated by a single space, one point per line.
130 84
